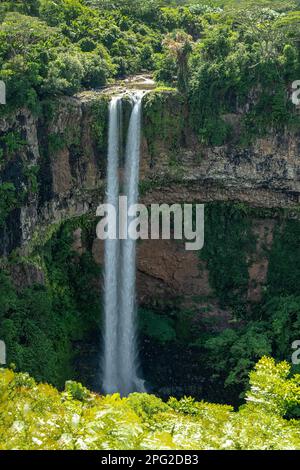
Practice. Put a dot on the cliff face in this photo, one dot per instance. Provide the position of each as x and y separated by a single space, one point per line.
67 146
66 150
168 276
265 174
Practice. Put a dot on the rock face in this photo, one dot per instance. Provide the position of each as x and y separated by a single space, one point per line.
69 148
258 270
167 274
165 271
24 275
66 146
265 174
166 268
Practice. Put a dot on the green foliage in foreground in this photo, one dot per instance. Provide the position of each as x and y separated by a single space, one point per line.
39 417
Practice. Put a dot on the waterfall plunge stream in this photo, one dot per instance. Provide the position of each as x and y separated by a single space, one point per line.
120 350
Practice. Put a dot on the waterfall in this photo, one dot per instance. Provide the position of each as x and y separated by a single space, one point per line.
127 346
111 258
120 349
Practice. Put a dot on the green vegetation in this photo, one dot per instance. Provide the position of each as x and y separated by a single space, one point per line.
164 120
224 355
158 327
227 252
8 200
36 416
245 63
224 56
44 326
100 124
273 324
215 63
49 327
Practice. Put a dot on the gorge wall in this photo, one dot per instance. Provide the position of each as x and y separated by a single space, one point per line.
65 151
55 164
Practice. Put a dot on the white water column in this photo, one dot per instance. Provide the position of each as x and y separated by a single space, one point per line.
111 256
120 345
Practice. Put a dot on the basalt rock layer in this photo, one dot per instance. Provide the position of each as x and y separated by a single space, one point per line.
66 146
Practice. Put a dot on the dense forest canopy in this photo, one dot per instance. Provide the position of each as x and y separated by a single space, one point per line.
48 48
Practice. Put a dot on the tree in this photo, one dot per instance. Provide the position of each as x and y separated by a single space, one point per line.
28 7
272 388
179 45
65 74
